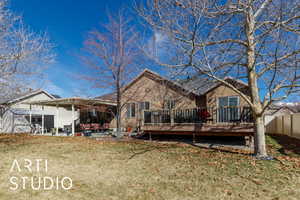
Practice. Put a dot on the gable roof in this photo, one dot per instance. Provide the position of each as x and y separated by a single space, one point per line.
274 108
26 95
195 86
150 74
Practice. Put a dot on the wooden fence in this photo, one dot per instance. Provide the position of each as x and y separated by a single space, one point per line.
286 125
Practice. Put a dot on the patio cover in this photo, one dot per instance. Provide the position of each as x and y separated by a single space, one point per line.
76 101
70 102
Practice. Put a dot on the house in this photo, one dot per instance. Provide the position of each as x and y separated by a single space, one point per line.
154 104
280 109
17 115
150 104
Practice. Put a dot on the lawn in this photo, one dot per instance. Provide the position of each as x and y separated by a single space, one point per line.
149 170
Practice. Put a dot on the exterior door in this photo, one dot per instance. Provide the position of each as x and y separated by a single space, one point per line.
228 110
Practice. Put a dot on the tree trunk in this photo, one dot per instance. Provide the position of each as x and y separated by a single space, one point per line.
259 135
260 139
119 134
118 121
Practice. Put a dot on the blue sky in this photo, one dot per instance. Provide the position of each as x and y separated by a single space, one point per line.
67 23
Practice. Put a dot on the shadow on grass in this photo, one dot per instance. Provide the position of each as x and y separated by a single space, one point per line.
286 144
145 148
233 145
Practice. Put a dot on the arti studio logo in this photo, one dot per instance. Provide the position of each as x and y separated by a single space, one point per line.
37 166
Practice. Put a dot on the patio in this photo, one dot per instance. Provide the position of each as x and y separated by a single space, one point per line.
83 105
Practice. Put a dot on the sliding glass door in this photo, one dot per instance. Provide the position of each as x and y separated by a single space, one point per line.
228 109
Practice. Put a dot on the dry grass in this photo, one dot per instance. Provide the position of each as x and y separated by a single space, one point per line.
143 170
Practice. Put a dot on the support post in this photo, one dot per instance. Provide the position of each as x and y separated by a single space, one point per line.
194 138
57 113
43 120
248 141
150 136
172 113
30 118
73 119
142 117
30 115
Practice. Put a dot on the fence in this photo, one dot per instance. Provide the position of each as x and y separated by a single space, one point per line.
285 124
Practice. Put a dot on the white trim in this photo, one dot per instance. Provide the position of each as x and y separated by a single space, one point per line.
29 95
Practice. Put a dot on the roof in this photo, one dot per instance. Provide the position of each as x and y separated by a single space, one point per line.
294 108
25 95
77 101
196 85
108 97
56 96
153 75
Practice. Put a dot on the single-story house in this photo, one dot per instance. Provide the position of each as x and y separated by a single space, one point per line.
154 104
150 104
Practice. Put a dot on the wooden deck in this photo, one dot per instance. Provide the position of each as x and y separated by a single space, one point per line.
244 129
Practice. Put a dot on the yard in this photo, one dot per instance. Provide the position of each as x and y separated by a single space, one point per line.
149 170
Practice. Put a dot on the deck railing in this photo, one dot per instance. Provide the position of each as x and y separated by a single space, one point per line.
199 115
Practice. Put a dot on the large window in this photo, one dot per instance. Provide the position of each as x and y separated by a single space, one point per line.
228 110
130 112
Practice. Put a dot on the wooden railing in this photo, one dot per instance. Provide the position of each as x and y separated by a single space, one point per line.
199 115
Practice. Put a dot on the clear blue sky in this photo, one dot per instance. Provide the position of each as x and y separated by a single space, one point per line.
67 23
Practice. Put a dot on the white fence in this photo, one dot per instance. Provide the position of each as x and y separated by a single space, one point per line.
286 125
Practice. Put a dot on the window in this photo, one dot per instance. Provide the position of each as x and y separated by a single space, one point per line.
130 112
144 106
169 104
228 101
228 110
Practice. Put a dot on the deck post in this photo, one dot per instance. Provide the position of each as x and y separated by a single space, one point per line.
73 119
43 120
152 118
57 113
194 138
150 136
172 117
142 118
248 141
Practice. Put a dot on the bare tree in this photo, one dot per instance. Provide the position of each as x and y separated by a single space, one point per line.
23 54
110 54
255 41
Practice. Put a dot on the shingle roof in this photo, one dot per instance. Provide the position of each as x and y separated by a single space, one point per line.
197 85
201 85
108 97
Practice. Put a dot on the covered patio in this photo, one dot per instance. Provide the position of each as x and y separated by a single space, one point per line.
75 103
